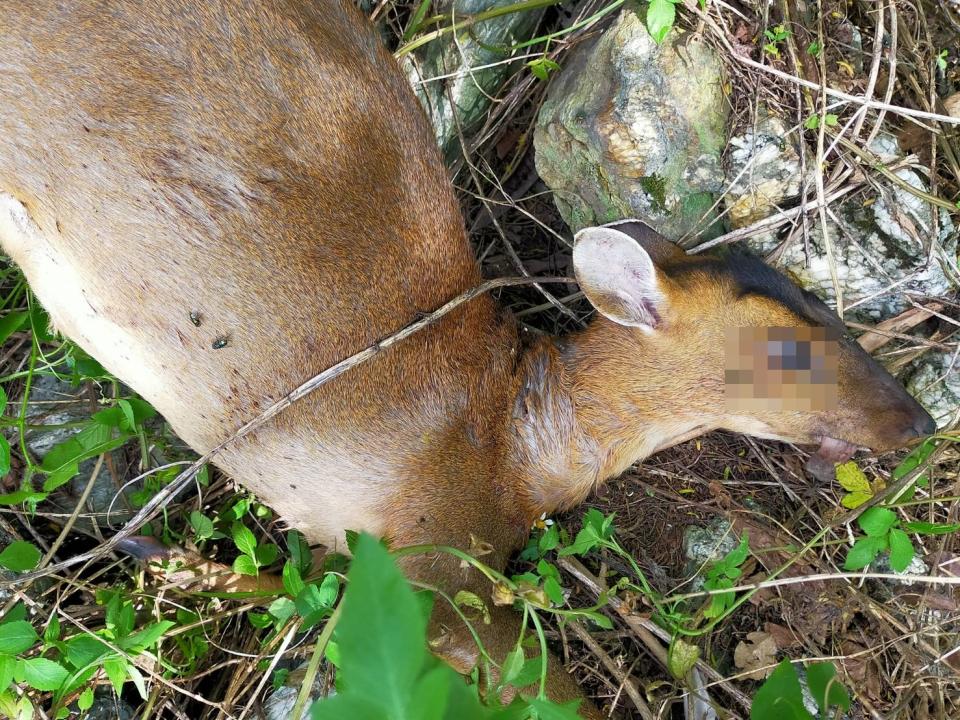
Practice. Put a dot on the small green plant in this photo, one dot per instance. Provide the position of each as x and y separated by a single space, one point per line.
661 15
781 695
942 61
774 37
884 531
813 122
542 67
814 49
61 665
723 575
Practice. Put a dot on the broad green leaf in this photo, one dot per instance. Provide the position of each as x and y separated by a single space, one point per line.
381 631
10 323
40 673
292 581
3 400
116 670
877 521
244 539
7 664
735 557
85 701
855 499
23 495
282 609
512 665
914 459
299 552
660 17
245 565
201 524
780 697
825 688
329 589
145 638
553 590
16 637
864 551
529 673
266 554
901 550
20 556
83 650
4 456
550 539
354 707
17 612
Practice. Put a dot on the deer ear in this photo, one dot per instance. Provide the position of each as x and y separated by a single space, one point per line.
618 277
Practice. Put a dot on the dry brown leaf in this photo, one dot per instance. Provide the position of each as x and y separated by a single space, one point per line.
758 653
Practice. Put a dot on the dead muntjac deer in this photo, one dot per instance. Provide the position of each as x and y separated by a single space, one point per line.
220 199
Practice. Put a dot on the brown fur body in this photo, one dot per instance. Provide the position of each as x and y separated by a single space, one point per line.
264 165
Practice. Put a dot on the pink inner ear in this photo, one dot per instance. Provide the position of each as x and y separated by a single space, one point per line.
617 276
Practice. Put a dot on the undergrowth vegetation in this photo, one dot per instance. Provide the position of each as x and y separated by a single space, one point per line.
800 609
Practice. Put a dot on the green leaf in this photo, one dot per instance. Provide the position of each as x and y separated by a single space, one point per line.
9 324
83 650
826 690
864 551
85 701
877 521
736 556
926 528
299 552
7 665
512 665
852 478
116 670
201 524
244 539
914 459
40 673
292 581
4 456
347 706
329 589
52 634
901 550
20 556
3 400
780 697
549 540
245 565
812 122
16 637
381 630
660 17
134 674
266 554
282 609
145 638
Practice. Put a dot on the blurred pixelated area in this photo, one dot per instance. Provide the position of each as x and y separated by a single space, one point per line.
781 368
